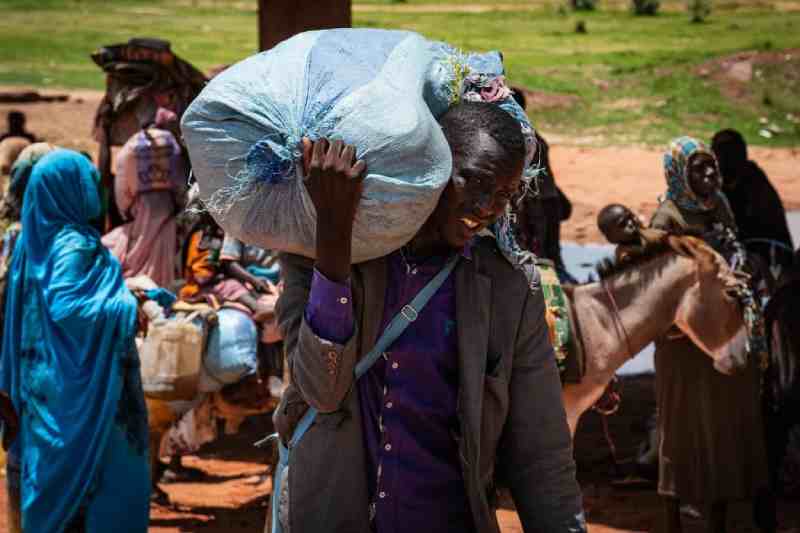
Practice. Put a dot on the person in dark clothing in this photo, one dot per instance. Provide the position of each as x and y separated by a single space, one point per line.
542 209
756 206
16 127
540 213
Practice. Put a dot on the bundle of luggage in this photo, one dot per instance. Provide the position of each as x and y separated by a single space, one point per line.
381 91
141 76
192 349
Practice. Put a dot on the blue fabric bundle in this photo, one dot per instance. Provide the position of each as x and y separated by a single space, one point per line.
231 352
378 90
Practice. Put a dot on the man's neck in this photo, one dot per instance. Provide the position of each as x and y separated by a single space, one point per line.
427 242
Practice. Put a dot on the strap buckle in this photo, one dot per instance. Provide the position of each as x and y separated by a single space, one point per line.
409 313
266 440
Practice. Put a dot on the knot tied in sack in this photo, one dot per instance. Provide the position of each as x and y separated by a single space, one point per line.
272 159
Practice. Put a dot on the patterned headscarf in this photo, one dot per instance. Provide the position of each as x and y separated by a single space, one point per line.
491 87
676 170
676 167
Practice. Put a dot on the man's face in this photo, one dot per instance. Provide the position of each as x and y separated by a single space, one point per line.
478 192
704 179
620 225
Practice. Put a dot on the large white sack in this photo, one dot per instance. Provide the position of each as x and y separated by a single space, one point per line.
378 90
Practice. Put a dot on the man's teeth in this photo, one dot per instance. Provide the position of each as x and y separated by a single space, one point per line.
468 222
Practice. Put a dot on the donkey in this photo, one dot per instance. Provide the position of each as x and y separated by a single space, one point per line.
683 283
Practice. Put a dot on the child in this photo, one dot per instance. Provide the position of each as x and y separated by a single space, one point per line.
622 227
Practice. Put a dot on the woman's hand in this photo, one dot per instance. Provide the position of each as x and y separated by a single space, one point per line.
334 182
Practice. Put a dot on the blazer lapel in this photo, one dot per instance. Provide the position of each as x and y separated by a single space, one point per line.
473 307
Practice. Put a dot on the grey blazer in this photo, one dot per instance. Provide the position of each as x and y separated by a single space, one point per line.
512 418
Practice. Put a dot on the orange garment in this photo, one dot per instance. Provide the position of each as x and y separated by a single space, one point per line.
203 278
199 269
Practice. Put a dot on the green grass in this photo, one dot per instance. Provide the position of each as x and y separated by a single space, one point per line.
633 77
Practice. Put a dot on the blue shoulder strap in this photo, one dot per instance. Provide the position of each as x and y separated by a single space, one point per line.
396 327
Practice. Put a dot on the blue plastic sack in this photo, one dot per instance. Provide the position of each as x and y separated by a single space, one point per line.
231 352
378 90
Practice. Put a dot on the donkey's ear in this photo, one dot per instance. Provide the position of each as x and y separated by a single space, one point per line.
709 262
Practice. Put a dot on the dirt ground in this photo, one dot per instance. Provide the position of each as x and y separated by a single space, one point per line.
225 489
592 176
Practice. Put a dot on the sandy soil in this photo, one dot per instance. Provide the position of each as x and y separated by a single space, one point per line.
591 176
228 491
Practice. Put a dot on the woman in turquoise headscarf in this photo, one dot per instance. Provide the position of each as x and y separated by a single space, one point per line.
69 363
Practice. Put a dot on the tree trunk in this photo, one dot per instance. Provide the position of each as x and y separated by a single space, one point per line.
280 19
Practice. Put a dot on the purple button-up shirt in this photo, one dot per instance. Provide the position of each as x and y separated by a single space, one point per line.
408 401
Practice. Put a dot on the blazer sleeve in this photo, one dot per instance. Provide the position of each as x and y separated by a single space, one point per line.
322 370
536 449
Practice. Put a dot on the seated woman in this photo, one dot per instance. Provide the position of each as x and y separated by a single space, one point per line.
250 264
703 414
204 276
69 365
149 174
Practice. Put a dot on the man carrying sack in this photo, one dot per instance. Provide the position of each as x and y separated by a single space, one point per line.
422 378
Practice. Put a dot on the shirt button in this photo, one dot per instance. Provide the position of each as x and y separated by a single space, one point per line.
389 405
343 300
388 447
395 365
381 494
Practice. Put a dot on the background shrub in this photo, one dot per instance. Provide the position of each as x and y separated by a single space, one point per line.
699 9
645 7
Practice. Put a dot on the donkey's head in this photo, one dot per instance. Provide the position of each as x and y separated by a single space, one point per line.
708 312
